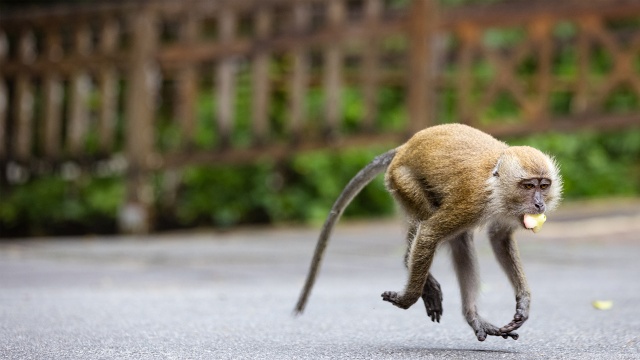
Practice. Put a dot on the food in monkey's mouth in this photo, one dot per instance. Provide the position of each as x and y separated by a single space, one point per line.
534 221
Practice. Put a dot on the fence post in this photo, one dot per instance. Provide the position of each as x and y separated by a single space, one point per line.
135 215
421 78
226 78
299 79
80 89
24 100
4 106
333 69
370 64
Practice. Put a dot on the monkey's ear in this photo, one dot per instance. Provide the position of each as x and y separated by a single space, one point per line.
496 168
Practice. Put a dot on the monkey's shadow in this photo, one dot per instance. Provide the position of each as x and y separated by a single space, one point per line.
418 350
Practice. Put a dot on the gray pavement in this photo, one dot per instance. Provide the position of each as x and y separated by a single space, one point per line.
211 295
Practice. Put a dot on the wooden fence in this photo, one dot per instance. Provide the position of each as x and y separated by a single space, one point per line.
157 85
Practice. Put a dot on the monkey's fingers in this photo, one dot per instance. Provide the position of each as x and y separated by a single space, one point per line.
481 335
511 334
515 324
483 332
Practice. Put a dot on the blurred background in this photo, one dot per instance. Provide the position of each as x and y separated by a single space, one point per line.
138 116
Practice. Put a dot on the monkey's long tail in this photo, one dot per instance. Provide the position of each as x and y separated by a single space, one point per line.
362 178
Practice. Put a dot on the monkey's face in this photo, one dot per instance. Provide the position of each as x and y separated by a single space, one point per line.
534 192
527 196
527 183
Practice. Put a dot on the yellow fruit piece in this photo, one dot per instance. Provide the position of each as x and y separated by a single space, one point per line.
602 304
534 221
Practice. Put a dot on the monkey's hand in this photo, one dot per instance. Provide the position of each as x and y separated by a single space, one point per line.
518 319
403 301
482 329
521 315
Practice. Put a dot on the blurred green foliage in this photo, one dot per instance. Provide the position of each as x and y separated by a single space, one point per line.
52 205
301 189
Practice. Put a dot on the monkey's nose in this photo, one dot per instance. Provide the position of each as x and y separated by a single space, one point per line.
540 207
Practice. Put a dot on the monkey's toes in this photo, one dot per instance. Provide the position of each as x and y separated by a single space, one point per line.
433 305
432 298
390 296
435 315
396 299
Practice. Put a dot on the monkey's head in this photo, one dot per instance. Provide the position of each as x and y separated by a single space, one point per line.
524 181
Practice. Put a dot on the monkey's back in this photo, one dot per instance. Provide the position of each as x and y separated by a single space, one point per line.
447 163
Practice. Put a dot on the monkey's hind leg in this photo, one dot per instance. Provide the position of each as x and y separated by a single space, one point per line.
419 259
431 292
466 268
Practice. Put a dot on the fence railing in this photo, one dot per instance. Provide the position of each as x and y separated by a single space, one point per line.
165 84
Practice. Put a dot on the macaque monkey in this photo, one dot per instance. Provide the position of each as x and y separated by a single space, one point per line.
450 179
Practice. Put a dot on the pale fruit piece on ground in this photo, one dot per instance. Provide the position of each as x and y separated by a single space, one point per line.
602 304
534 222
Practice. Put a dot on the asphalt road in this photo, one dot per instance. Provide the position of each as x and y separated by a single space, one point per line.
207 295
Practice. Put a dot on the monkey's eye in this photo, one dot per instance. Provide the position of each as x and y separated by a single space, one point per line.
528 186
544 186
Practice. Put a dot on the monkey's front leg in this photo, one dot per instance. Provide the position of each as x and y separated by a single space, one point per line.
506 251
522 314
419 261
466 267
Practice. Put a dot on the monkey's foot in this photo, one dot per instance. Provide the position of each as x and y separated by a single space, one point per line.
432 297
484 329
402 301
